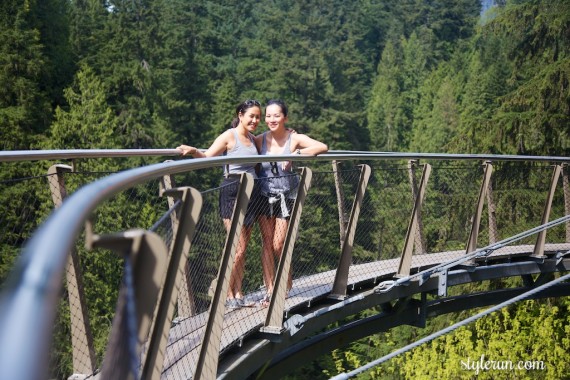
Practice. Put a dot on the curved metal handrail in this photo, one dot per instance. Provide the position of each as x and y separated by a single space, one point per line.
35 155
28 301
64 154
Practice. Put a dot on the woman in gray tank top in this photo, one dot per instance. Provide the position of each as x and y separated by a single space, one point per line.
278 186
236 141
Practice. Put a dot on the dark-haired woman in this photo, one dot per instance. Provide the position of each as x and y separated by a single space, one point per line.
236 141
278 185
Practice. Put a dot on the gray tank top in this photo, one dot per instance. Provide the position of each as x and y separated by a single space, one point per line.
241 150
275 179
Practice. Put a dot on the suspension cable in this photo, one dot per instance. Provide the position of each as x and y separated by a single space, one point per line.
437 334
385 286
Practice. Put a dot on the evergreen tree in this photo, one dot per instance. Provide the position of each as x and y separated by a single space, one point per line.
385 111
87 22
51 18
89 123
183 86
533 117
127 63
488 74
430 132
24 105
318 69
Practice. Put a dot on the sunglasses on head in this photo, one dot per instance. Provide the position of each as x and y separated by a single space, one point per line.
252 102
274 168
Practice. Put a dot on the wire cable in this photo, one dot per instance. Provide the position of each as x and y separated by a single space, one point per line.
343 376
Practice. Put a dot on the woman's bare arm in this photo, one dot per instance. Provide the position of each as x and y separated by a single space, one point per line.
222 143
304 144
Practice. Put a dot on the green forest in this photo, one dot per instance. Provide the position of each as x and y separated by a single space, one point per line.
374 75
412 75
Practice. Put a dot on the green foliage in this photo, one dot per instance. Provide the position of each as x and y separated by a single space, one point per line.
437 114
22 103
535 115
90 122
357 75
385 116
517 100
531 331
425 76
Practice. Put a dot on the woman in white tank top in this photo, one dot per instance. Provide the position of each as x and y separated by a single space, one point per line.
236 141
278 186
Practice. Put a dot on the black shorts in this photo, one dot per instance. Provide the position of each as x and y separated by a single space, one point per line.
227 200
272 207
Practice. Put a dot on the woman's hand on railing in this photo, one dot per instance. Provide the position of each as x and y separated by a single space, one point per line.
186 150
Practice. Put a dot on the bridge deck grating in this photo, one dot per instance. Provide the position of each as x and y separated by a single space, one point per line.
186 336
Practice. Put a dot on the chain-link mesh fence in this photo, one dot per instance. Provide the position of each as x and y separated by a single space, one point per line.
514 201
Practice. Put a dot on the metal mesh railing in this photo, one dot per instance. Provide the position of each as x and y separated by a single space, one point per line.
102 269
22 209
515 202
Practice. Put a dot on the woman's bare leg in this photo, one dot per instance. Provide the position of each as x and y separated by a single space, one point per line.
238 269
267 226
239 262
281 226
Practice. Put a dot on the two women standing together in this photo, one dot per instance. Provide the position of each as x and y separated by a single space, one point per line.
275 187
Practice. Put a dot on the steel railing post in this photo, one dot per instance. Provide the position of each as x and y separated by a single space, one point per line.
148 254
541 237
341 276
207 363
83 350
406 257
492 211
177 259
419 239
342 217
566 189
474 233
274 319
186 304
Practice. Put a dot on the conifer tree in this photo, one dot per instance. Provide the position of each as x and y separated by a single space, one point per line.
533 116
89 123
385 112
24 105
487 82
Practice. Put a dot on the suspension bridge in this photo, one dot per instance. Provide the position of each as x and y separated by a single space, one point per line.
119 268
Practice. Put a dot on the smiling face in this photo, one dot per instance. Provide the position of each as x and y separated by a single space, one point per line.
274 117
250 118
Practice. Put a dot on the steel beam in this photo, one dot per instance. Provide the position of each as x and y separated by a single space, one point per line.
83 350
274 320
341 277
207 363
541 237
406 257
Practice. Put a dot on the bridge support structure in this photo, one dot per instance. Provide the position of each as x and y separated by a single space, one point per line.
83 350
541 237
274 320
169 282
484 193
413 225
152 292
341 277
207 363
186 303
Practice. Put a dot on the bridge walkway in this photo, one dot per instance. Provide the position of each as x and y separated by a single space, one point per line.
116 244
306 296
